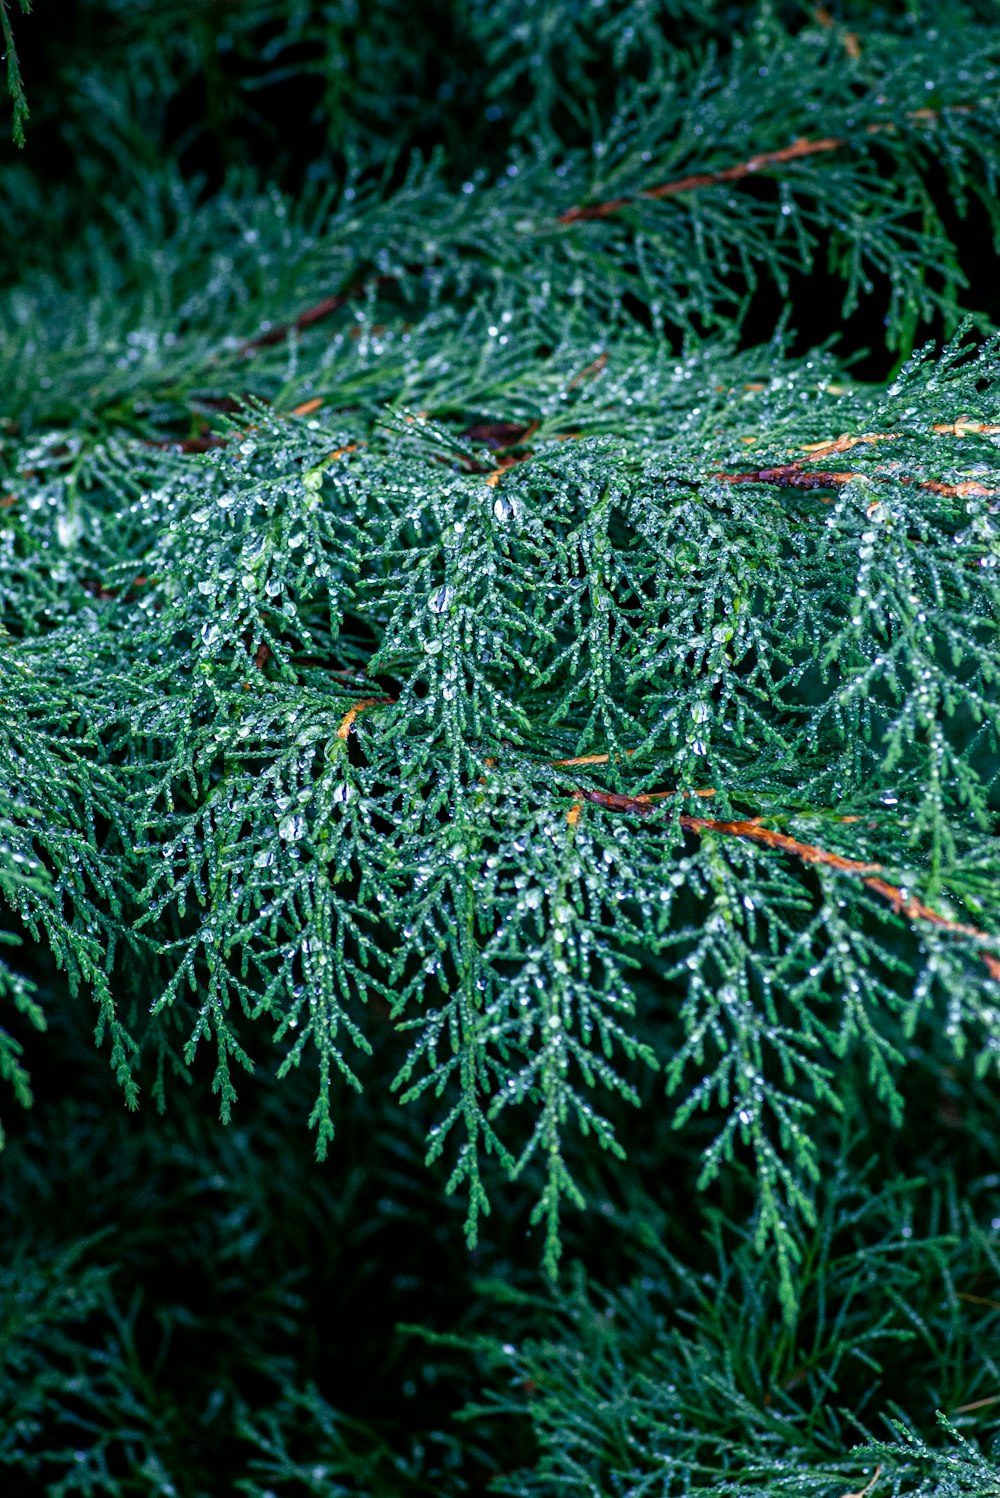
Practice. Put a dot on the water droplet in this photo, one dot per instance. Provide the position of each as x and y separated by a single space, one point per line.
440 599
69 529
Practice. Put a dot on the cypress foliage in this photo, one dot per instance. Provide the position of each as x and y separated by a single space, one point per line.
499 588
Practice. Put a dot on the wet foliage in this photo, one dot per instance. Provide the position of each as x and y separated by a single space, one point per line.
476 716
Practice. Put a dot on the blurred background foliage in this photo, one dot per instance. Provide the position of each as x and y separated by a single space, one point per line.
129 99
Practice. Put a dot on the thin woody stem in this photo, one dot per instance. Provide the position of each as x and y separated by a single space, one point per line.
749 829
792 476
347 721
206 442
752 831
326 308
799 149
962 426
317 313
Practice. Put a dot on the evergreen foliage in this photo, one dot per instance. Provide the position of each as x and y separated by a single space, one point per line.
446 653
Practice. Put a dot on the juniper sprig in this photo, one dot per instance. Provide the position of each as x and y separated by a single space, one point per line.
448 652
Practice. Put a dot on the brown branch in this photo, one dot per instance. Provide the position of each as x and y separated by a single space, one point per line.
587 759
977 1404
795 152
496 474
960 427
500 435
800 149
326 308
849 39
205 443
791 476
317 313
753 831
842 444
901 902
868 1485
347 721
593 369
750 829
977 1300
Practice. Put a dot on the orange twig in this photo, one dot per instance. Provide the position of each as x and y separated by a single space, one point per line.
844 444
317 313
586 759
753 831
326 308
849 39
496 474
791 476
340 452
592 369
901 902
962 426
205 442
977 1404
347 721
799 149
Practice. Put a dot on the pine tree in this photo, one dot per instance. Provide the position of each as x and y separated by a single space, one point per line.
470 693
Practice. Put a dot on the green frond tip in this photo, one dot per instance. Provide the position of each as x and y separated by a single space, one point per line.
15 86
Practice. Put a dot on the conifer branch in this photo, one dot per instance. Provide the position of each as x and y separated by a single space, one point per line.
15 85
494 509
793 476
797 151
752 830
800 149
310 316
